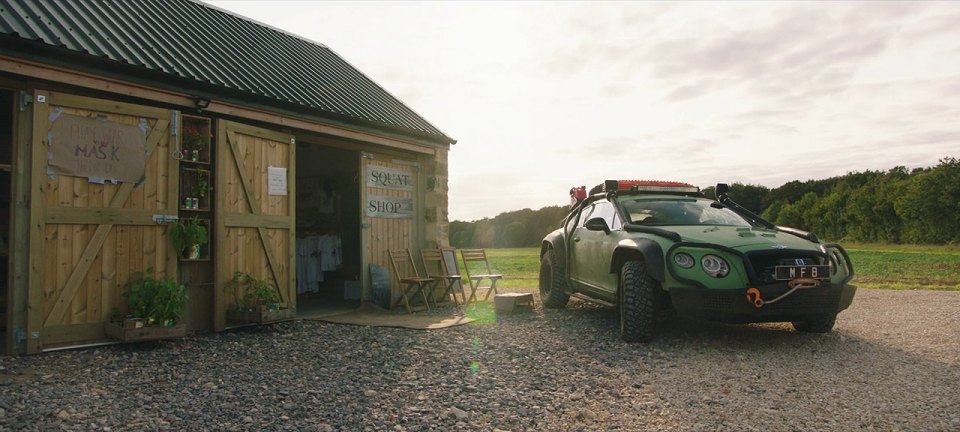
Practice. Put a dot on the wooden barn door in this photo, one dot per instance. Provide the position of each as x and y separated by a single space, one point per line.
390 210
88 235
255 227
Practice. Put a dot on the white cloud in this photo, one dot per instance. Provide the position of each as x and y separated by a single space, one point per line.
543 96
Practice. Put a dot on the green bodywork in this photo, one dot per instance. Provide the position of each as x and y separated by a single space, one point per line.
594 256
654 249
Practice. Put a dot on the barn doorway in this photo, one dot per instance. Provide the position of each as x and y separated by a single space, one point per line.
329 254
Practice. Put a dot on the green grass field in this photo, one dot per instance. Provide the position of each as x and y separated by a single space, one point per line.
876 266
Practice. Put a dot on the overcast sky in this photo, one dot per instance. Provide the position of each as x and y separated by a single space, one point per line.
542 96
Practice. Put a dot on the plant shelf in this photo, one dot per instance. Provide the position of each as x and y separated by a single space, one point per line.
129 332
261 315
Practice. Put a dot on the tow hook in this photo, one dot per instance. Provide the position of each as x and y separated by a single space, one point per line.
753 296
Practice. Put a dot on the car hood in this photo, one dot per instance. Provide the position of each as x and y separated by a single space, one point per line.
742 238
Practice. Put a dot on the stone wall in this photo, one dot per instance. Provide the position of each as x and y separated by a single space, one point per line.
437 223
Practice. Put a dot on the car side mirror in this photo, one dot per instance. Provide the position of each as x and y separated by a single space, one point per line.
597 224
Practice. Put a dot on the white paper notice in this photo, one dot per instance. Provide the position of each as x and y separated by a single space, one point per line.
276 181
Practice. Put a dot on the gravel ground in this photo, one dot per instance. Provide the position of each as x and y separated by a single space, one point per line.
893 363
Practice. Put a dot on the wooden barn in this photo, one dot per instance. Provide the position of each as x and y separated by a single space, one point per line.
120 120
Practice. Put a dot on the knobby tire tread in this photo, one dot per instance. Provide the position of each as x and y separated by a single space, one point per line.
553 296
638 310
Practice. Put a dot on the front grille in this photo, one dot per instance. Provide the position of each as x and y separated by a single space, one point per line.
814 299
718 301
764 264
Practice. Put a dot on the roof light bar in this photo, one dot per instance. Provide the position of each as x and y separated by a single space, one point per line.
654 186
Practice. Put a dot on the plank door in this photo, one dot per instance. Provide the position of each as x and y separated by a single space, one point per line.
88 237
255 226
390 211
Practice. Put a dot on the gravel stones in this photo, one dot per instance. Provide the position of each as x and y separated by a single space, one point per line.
893 363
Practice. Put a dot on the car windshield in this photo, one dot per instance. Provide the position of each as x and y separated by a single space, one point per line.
662 211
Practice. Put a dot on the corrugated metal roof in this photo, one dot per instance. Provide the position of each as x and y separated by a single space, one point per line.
192 40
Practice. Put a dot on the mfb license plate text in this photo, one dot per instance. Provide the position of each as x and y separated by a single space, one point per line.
809 271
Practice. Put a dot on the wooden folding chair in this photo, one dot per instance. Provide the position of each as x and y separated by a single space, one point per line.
411 283
437 267
477 258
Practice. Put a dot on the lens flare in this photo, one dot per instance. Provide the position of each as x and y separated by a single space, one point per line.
475 348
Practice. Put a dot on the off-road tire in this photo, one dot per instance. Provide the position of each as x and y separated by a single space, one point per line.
638 300
816 324
552 283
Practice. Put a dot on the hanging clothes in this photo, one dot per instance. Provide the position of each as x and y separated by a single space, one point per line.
330 253
309 273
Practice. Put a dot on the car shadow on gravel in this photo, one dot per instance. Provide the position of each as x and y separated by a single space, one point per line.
587 327
675 330
699 375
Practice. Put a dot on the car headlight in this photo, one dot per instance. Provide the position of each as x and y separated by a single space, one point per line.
714 266
683 260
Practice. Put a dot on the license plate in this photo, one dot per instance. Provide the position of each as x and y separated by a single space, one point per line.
807 271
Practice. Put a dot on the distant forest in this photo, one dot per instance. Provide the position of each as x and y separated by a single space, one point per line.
919 206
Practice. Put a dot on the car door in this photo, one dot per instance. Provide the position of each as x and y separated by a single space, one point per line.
592 249
598 246
573 228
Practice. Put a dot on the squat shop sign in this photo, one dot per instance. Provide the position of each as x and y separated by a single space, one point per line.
393 207
97 149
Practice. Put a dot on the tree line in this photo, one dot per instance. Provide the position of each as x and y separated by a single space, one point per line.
919 206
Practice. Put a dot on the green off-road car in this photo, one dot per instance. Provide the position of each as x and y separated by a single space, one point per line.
651 247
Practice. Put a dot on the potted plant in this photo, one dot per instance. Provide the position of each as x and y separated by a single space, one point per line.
187 237
256 300
201 187
194 142
156 308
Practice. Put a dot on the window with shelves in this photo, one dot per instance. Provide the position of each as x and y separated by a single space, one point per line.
196 181
195 188
196 210
196 138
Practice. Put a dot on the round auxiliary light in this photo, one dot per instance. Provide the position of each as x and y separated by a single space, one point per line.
714 266
683 260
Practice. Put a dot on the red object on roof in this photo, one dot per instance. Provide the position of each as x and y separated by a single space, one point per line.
578 194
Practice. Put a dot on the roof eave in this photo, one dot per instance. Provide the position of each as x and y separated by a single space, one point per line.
39 52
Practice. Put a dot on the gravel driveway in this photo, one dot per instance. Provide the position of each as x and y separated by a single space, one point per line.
893 363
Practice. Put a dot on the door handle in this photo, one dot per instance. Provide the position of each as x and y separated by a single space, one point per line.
576 239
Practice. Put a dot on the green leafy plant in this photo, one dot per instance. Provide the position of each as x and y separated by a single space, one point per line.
250 292
154 300
202 186
116 315
186 233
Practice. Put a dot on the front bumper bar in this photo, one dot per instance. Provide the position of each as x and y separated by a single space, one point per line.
736 306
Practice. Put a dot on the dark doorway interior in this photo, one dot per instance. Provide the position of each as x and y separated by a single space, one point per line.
328 230
6 167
